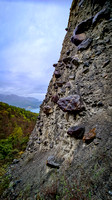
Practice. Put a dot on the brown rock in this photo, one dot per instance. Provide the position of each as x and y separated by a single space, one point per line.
89 137
75 61
47 110
55 65
70 104
57 73
76 131
67 60
55 98
59 83
85 44
77 39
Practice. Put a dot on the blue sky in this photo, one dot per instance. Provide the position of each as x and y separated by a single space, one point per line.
31 36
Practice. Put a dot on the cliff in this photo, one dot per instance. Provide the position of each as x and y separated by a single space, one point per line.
69 152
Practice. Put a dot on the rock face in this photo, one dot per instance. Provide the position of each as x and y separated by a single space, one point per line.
80 139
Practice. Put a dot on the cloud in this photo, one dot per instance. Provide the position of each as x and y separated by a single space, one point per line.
31 39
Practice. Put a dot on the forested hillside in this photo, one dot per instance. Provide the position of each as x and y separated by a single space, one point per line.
16 125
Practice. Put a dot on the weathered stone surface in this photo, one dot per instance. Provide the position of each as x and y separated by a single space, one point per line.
70 104
55 98
67 60
77 39
51 162
83 26
57 73
47 109
89 137
76 61
85 44
104 13
76 131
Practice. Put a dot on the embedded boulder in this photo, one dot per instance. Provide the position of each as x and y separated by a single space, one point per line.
67 60
104 13
85 44
55 65
83 26
57 73
51 162
55 98
75 61
76 131
90 136
70 103
77 39
47 110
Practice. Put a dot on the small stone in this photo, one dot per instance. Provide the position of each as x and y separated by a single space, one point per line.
11 184
96 141
75 61
59 83
85 44
100 104
76 131
77 39
68 52
45 143
89 137
72 77
47 110
104 13
38 117
51 145
51 162
81 2
67 60
86 71
68 85
55 65
57 73
106 63
39 142
110 192
56 87
15 161
55 98
70 103
86 64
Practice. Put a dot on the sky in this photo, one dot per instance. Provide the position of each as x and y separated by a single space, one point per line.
31 36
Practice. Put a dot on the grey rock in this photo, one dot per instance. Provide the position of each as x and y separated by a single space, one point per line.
51 162
85 44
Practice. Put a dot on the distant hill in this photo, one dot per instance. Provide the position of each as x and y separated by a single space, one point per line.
19 101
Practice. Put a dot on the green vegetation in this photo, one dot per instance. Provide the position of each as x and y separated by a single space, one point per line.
16 124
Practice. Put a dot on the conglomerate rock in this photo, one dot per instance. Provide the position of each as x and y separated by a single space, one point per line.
74 123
